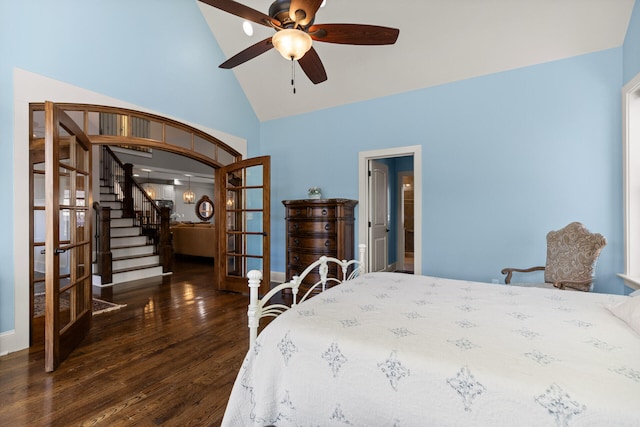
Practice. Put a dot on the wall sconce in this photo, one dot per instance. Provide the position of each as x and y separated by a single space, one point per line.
189 197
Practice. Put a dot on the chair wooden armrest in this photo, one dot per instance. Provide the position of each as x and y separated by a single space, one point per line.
572 253
509 272
580 285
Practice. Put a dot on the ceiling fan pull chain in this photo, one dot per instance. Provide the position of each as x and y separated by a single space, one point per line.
293 75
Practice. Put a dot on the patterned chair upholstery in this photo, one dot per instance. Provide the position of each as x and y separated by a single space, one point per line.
572 253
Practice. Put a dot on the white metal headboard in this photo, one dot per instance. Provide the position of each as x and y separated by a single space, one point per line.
258 308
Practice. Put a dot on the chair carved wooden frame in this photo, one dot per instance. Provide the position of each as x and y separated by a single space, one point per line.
572 254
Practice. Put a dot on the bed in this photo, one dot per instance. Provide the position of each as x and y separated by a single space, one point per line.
392 349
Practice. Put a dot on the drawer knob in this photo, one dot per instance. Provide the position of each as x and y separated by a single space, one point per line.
296 241
327 227
296 225
324 212
296 258
327 243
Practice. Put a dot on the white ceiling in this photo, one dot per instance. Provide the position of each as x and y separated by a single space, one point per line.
440 41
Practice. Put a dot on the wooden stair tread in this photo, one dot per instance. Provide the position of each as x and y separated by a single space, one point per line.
132 246
133 257
122 248
144 267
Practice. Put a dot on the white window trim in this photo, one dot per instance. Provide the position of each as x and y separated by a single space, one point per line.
631 181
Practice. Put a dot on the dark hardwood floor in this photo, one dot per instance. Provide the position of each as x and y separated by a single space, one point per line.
169 357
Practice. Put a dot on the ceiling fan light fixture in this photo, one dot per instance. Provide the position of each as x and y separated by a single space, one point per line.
291 43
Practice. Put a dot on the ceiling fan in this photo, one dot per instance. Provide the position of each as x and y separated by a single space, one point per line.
293 22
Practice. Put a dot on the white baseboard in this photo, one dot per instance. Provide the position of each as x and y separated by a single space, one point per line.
278 276
9 343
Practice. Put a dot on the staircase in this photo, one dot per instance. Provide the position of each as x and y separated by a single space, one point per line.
133 253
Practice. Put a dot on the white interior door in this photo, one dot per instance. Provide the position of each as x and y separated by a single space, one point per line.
378 216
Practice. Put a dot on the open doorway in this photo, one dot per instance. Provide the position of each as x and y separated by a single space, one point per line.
403 162
27 88
131 228
406 222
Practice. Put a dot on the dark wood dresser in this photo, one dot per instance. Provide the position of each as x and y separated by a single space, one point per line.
317 227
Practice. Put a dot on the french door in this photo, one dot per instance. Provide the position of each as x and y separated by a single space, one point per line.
67 249
243 220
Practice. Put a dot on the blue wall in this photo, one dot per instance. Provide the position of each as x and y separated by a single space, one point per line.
631 47
166 61
506 158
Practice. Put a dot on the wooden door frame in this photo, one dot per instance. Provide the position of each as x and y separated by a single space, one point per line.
363 197
108 140
30 87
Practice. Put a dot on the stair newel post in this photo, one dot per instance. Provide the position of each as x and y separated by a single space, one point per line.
104 256
127 201
165 249
105 176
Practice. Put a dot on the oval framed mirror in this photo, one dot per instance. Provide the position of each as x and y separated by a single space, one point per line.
204 208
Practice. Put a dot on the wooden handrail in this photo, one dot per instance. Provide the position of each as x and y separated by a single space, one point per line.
128 184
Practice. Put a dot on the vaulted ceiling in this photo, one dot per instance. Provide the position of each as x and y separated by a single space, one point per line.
440 41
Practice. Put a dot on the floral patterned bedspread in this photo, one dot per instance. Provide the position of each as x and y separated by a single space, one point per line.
390 349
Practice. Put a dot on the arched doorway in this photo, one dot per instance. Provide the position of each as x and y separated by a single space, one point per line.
111 126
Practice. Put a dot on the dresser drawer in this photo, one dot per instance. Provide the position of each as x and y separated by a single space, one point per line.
316 212
302 259
314 243
310 226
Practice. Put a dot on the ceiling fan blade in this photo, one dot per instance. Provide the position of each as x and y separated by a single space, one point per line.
357 34
247 54
303 11
243 11
312 66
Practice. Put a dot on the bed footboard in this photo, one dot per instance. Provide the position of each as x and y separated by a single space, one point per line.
259 308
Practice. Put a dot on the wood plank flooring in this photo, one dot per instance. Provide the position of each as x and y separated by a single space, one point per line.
169 358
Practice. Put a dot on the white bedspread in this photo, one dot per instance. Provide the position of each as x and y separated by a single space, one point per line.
391 349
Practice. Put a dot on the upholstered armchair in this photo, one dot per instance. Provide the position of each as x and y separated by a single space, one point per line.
572 253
